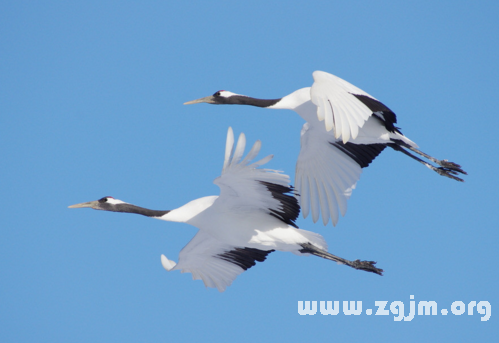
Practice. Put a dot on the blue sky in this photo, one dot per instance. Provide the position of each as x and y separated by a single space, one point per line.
91 98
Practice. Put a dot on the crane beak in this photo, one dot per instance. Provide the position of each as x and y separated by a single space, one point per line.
207 99
91 204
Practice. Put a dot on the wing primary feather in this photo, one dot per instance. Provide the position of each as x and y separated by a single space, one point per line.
253 153
304 196
314 206
329 118
238 153
321 109
262 161
229 145
337 120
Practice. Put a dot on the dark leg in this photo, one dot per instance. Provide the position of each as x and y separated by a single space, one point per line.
448 169
368 266
442 163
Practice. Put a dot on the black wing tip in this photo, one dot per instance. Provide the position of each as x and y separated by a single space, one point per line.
245 257
389 119
290 208
362 154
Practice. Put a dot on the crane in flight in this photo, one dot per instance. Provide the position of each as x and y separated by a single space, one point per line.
253 216
345 130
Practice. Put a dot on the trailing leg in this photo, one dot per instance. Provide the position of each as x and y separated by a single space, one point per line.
368 266
448 169
443 163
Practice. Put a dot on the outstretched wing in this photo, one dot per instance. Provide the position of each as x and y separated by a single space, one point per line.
214 262
327 172
246 188
339 106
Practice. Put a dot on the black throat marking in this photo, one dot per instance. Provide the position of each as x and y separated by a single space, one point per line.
129 208
245 100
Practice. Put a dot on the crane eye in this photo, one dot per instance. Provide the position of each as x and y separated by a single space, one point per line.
103 199
217 94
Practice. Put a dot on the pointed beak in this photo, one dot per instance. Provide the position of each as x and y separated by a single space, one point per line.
91 204
207 99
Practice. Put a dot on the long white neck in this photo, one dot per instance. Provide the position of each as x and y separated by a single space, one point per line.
293 100
300 102
189 210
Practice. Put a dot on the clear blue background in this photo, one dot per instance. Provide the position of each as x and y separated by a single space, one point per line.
91 98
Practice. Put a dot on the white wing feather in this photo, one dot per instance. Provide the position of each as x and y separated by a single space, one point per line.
325 178
228 147
240 182
336 105
199 257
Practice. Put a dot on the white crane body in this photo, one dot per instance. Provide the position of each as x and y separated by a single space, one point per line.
253 216
345 129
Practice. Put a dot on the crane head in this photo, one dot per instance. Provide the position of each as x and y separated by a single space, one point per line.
105 203
219 98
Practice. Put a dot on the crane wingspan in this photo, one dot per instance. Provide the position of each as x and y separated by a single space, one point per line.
338 106
214 262
246 188
325 176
